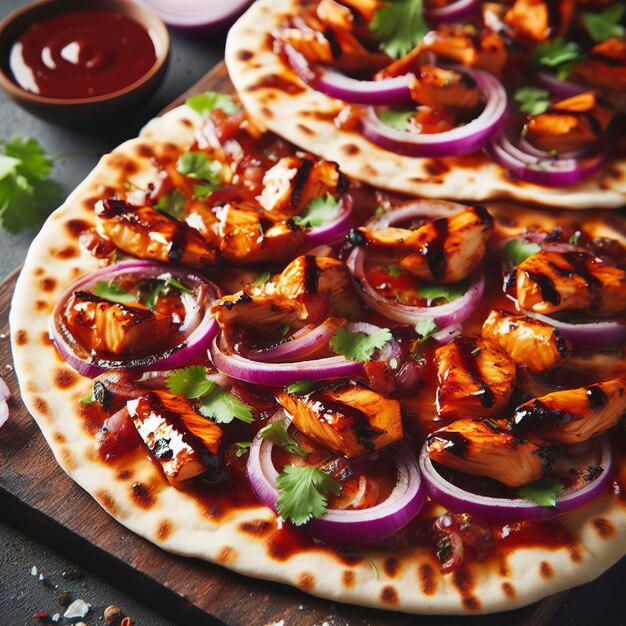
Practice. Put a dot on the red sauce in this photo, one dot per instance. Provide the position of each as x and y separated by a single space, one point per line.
81 55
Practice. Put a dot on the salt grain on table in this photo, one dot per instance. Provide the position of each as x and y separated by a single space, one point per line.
78 608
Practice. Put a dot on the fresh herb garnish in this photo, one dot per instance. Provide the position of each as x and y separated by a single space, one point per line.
88 399
492 423
243 447
205 103
559 55
320 210
518 250
400 120
604 25
575 238
379 211
399 26
276 432
26 192
476 351
542 492
172 204
444 549
161 286
434 292
114 292
532 100
198 165
425 328
301 387
358 346
261 279
393 271
303 493
215 403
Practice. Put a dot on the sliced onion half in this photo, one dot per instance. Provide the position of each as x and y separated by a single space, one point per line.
333 231
197 14
341 526
336 85
453 12
511 509
460 140
201 326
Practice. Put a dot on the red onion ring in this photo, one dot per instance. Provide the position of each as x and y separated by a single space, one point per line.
190 14
4 412
543 170
558 88
195 345
450 13
334 231
515 509
336 85
340 526
460 140
5 392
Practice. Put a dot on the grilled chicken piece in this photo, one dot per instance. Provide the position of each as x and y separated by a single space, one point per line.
574 415
548 282
445 250
604 67
150 234
529 342
481 448
476 378
120 329
183 442
311 44
535 21
306 291
570 124
345 417
436 87
294 181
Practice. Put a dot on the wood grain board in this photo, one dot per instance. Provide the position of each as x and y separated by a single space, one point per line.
39 498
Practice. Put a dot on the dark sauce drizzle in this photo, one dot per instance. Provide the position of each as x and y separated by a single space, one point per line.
465 347
434 251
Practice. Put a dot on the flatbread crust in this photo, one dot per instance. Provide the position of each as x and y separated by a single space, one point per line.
248 539
306 119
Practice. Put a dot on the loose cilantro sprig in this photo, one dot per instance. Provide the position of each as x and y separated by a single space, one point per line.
198 165
301 387
425 328
26 192
261 279
110 290
400 120
161 286
518 251
303 493
207 102
532 100
173 204
604 25
358 346
215 403
399 26
276 432
448 292
542 492
243 447
320 210
559 55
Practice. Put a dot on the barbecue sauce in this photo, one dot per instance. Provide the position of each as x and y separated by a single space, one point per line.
81 55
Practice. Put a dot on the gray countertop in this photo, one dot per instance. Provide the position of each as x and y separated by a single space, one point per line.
21 593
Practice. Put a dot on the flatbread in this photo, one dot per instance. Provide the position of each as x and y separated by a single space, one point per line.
305 117
248 539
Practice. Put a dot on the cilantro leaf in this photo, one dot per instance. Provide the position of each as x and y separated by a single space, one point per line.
114 292
243 447
150 297
448 292
303 493
396 119
558 54
425 328
205 103
276 432
604 25
261 279
399 26
518 250
198 165
88 399
190 382
542 492
301 387
532 100
173 204
26 192
393 271
318 211
222 407
358 346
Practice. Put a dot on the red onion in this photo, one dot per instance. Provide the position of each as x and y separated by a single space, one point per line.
450 13
4 412
559 89
341 526
210 15
511 509
337 85
193 346
332 231
543 168
460 140
5 392
447 334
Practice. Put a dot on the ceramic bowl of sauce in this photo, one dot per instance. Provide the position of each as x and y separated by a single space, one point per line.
72 61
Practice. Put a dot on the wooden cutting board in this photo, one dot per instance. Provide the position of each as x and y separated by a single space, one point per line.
38 497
